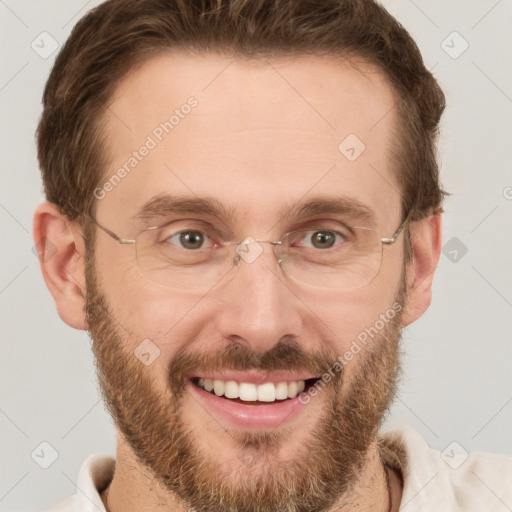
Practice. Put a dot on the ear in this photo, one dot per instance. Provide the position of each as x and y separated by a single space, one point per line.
60 250
426 247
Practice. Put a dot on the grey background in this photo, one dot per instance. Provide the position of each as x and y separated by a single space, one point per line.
458 357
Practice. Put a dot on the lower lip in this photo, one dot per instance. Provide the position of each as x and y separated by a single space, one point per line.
255 417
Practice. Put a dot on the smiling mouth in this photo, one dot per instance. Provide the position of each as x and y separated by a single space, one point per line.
253 394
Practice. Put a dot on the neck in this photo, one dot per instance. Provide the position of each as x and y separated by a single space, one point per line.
133 488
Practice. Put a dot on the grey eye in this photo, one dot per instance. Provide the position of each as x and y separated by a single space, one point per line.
189 239
323 239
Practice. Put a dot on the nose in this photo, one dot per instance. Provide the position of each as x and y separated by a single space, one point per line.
258 306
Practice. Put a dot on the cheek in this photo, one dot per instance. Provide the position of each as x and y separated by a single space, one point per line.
345 318
148 311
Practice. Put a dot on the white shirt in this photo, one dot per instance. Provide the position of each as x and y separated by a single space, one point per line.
433 482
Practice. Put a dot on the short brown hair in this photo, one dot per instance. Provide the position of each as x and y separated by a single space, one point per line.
118 35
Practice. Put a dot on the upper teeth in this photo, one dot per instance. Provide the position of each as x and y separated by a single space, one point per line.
248 392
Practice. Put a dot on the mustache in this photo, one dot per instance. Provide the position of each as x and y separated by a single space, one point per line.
284 355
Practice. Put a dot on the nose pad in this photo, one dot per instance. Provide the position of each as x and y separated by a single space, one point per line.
251 249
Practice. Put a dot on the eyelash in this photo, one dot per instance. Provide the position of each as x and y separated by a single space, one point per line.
308 232
204 230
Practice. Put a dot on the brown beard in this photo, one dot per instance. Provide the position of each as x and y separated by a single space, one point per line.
329 462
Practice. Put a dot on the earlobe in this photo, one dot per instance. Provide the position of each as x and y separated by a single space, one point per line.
60 250
426 247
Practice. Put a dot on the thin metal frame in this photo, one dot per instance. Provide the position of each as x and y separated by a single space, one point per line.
118 239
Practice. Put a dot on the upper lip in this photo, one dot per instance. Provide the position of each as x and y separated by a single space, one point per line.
255 377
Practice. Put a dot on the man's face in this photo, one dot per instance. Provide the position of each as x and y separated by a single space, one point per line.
262 138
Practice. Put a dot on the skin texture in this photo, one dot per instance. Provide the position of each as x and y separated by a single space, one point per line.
264 134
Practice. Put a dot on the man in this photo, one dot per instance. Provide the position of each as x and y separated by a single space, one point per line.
246 209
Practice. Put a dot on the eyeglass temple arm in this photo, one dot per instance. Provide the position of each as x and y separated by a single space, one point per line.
392 240
111 233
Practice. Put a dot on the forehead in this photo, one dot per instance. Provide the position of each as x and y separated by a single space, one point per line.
254 134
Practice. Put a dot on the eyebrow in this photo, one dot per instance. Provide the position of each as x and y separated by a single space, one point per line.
162 206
